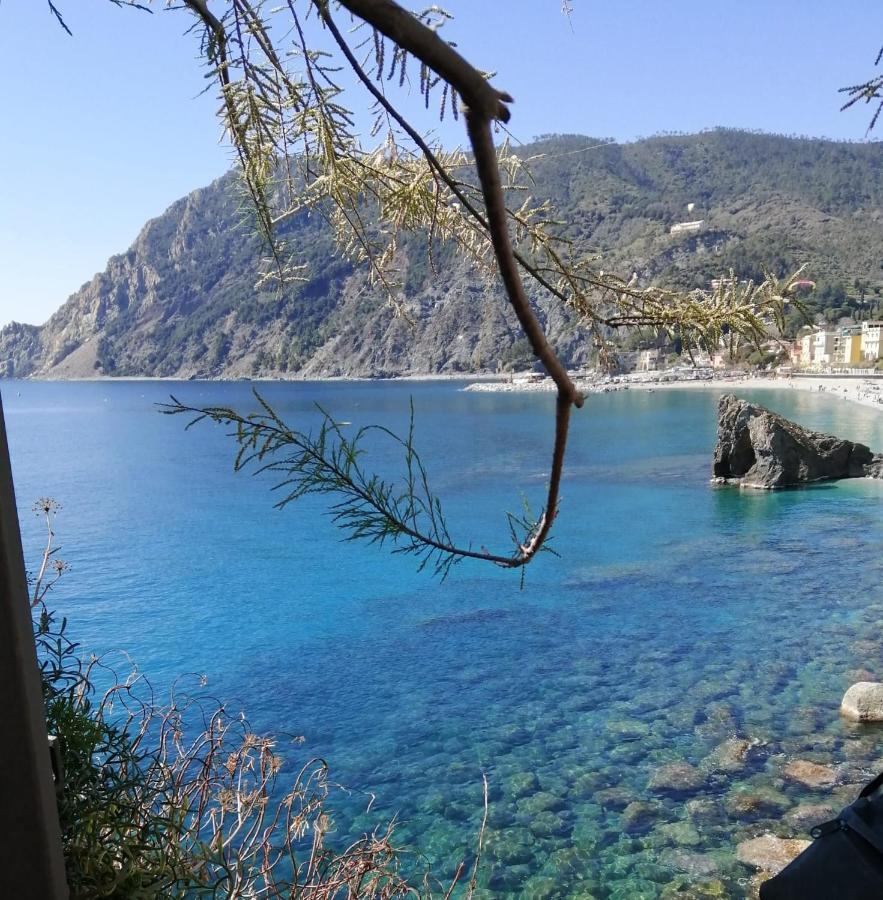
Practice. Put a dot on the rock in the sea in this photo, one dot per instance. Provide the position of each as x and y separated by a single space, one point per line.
729 756
806 815
695 864
753 801
863 702
770 853
811 774
761 449
676 778
639 816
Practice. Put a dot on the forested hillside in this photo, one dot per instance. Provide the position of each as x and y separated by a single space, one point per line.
182 300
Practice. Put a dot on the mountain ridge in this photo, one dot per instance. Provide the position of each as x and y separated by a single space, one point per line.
181 301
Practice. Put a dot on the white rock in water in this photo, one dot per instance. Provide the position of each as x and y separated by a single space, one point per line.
863 702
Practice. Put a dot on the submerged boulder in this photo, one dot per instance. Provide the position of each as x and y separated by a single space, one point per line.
770 853
676 778
758 448
811 774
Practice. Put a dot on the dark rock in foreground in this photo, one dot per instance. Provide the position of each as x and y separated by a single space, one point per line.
760 449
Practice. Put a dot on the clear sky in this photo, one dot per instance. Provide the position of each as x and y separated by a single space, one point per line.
103 130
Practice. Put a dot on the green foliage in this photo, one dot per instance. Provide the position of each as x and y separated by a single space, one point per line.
115 829
519 356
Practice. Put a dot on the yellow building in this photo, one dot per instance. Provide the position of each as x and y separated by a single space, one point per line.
848 347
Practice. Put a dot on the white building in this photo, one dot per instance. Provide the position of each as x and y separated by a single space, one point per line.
686 227
824 347
648 360
820 347
872 332
806 347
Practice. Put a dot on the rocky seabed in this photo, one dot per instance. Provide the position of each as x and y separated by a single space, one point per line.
700 782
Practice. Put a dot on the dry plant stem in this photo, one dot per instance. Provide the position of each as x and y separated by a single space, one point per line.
473 881
38 593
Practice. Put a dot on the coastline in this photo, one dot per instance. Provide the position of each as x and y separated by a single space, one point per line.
476 377
864 391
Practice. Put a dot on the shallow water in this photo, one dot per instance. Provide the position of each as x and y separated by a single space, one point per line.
678 616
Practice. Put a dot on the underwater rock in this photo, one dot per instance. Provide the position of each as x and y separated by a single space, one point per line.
586 785
615 797
749 800
695 864
807 815
758 448
521 784
627 729
574 860
811 774
719 718
541 801
513 846
705 810
863 702
770 853
639 816
548 824
682 833
676 778
687 888
728 756
540 888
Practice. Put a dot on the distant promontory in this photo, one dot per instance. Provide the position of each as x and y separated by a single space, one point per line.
181 301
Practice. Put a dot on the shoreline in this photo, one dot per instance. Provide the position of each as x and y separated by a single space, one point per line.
472 377
863 391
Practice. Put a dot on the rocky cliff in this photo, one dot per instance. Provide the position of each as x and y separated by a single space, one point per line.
181 301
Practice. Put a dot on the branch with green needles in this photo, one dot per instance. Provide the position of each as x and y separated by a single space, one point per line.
406 514
870 91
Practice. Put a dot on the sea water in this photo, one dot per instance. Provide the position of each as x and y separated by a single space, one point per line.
677 616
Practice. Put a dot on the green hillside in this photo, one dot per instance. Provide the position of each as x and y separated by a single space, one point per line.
182 300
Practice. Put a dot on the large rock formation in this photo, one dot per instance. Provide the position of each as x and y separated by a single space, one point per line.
758 448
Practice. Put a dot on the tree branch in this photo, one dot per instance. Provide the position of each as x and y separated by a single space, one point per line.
484 104
424 44
408 515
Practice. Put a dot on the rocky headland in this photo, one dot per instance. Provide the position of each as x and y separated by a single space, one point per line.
182 302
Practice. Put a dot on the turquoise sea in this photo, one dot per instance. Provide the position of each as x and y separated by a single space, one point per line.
678 617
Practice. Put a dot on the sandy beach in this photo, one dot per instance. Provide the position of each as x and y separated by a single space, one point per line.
867 391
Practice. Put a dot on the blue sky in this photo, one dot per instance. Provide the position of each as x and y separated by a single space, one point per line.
103 130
